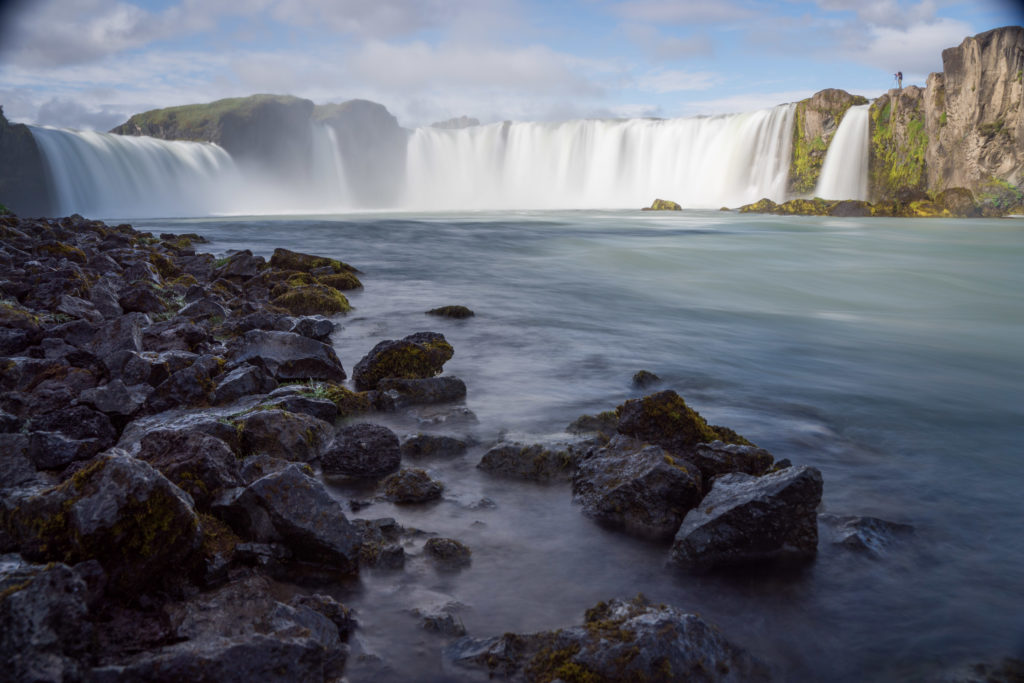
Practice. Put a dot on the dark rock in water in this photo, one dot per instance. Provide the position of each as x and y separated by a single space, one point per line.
618 641
746 519
118 510
411 486
437 612
603 423
287 356
244 380
868 535
851 208
238 633
665 419
281 434
663 205
532 463
117 398
285 259
448 554
45 632
418 356
241 265
432 446
721 458
315 327
457 312
643 379
312 300
642 490
338 614
199 464
395 393
293 508
363 450
380 547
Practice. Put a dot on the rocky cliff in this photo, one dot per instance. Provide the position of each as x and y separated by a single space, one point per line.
814 123
23 188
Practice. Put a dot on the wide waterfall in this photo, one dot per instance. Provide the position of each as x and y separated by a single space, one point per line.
593 164
844 175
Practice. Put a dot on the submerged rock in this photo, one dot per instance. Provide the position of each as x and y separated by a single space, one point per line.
532 463
448 554
417 356
746 520
363 450
643 379
665 419
619 641
411 486
868 535
431 445
396 392
457 312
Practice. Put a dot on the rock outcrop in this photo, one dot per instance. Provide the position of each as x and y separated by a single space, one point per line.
23 186
815 122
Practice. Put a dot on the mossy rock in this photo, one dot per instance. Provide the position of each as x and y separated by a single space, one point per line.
348 402
664 419
312 300
61 250
663 205
418 356
285 259
959 201
764 205
342 282
457 312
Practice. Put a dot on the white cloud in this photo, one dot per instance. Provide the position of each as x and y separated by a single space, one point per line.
743 102
669 80
681 11
885 13
916 49
662 47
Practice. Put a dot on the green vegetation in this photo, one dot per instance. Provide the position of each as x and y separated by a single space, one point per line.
312 300
990 130
943 119
897 161
1001 195
200 122
4 211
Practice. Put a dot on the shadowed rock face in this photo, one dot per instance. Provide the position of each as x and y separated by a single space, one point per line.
24 188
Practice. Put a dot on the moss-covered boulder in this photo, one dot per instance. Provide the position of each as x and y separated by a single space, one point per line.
411 485
286 259
764 205
959 202
312 300
418 356
342 282
665 419
448 554
532 462
663 205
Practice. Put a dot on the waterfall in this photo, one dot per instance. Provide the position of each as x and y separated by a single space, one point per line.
699 162
844 175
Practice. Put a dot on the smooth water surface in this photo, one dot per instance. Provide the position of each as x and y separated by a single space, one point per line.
889 353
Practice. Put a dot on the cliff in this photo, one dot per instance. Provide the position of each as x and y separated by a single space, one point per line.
964 129
814 124
23 189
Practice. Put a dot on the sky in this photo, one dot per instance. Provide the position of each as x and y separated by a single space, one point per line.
94 63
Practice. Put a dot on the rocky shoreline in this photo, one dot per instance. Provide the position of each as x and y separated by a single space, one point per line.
171 422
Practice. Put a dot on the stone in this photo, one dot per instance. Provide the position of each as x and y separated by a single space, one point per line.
619 641
363 450
642 379
241 265
176 334
140 297
199 464
117 398
432 446
411 486
285 259
642 490
531 463
663 205
103 296
397 393
123 333
53 450
293 508
78 422
202 309
602 423
437 612
79 308
867 535
664 419
320 408
752 520
117 510
315 327
287 356
417 356
448 554
312 300
456 312
281 434
721 458
16 469
245 380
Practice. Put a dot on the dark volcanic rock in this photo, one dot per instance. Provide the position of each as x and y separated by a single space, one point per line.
746 519
411 486
642 490
643 379
320 408
720 458
315 327
281 434
868 535
141 298
287 356
244 380
458 312
602 423
396 393
363 450
200 464
430 445
123 333
532 463
117 398
418 356
619 641
665 419
448 554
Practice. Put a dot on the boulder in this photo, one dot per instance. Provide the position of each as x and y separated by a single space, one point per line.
448 554
721 458
123 333
285 259
78 422
868 535
240 265
418 356
363 450
312 300
118 510
79 308
293 508
602 423
140 297
281 434
199 464
396 392
751 520
643 379
411 486
642 490
315 327
117 398
245 380
664 419
205 308
432 446
663 205
619 641
320 408
287 356
532 463
457 312
54 451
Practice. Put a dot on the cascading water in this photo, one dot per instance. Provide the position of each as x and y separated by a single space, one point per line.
100 174
844 175
698 162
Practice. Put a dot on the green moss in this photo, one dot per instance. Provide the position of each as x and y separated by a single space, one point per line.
807 155
199 122
553 663
943 120
663 205
897 164
62 250
312 300
458 312
342 282
167 269
4 211
285 259
1000 195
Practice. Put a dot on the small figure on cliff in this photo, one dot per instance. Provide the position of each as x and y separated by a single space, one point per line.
899 79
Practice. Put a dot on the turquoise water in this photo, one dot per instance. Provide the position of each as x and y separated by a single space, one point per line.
889 353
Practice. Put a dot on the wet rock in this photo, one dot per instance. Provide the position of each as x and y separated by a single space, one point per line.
315 327
320 408
16 469
643 379
312 299
202 309
432 446
663 205
9 423
141 298
256 466
241 265
238 633
380 548
746 519
665 419
78 422
118 510
618 641
122 333
285 259
363 450
199 464
53 450
868 535
417 356
395 393
457 312
411 486
448 554
287 356
175 335
437 612
602 423
281 434
103 296
293 508
117 398
338 614
189 386
532 463
79 308
720 458
245 380
342 282
644 491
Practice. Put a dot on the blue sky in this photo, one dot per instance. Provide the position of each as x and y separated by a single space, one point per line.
92 63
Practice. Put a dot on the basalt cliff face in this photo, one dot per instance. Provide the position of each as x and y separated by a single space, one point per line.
964 129
23 188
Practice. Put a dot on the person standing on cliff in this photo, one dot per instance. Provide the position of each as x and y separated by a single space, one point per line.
899 79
